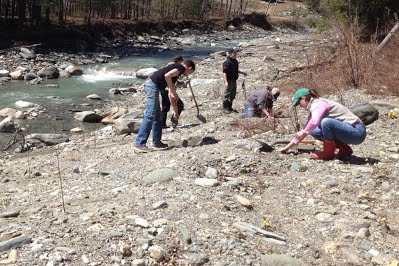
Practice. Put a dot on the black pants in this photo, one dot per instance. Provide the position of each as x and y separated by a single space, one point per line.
166 107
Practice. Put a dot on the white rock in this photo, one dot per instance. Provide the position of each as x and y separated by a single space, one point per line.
206 182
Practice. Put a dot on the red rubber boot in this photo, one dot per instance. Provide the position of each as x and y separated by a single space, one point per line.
327 153
344 150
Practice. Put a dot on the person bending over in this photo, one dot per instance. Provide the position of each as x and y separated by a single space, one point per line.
157 82
260 102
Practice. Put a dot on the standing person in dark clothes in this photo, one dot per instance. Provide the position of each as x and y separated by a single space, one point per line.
260 102
230 76
178 59
157 82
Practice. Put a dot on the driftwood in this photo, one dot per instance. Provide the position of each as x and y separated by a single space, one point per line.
18 47
387 38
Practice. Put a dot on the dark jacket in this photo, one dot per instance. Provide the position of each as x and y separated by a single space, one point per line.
230 67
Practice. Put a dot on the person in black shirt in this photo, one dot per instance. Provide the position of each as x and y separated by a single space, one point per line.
157 82
230 76
165 98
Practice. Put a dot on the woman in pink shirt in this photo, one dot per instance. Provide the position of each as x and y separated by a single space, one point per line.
330 122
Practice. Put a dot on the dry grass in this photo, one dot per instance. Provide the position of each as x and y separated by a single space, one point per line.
352 65
252 126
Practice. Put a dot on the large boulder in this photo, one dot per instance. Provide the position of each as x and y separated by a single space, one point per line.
39 140
128 123
26 53
17 75
4 73
111 115
7 112
23 104
366 112
8 125
88 116
49 72
74 70
145 72
30 76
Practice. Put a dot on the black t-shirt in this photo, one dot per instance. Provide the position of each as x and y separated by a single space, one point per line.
230 67
158 77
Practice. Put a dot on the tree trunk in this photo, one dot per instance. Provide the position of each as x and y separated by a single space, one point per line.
228 13
61 11
21 12
36 12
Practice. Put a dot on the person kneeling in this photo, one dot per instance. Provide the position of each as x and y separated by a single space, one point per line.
330 122
260 102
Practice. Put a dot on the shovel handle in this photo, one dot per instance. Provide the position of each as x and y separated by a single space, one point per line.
192 94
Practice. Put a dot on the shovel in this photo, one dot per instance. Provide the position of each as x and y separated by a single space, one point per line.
199 116
270 147
243 88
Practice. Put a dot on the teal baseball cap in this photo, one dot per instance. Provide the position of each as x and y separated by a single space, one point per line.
298 94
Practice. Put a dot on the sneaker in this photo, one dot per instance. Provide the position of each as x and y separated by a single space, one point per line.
160 145
141 148
226 111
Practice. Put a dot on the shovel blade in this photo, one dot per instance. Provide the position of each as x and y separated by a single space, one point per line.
201 118
264 146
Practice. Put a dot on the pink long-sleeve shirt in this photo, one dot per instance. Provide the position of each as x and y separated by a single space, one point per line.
320 108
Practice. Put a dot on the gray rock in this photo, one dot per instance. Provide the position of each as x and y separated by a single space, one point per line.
159 205
197 259
9 214
265 235
49 72
138 262
160 175
47 139
206 182
30 76
366 112
8 125
88 116
279 260
14 242
157 253
145 72
185 234
27 53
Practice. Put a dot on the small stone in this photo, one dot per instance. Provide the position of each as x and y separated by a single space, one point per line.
138 262
141 222
331 247
374 252
211 173
323 217
244 201
85 259
206 182
363 233
157 253
185 234
159 205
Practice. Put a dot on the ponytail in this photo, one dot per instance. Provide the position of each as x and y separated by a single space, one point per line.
314 93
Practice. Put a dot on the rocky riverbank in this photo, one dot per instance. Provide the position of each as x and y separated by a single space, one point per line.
214 198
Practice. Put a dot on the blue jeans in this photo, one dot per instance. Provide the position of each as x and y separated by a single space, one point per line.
152 115
249 110
332 129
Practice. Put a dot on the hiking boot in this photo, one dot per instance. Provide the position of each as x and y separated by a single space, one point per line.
141 148
160 145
